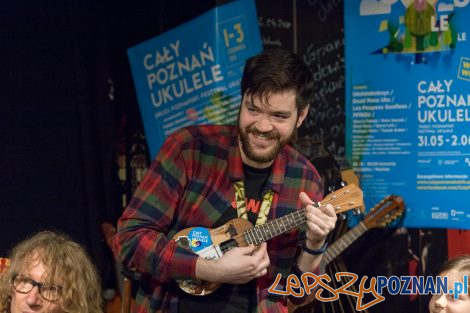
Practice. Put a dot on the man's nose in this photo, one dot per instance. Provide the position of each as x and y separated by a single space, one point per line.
264 124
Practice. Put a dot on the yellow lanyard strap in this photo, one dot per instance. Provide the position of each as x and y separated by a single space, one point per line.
241 203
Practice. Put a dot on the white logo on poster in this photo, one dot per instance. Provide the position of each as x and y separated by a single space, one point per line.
440 215
455 212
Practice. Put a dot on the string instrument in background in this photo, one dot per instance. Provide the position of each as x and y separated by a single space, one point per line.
383 213
214 243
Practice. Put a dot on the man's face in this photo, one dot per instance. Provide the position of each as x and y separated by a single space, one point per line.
33 302
266 127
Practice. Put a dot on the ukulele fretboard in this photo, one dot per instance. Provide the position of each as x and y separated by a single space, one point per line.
271 229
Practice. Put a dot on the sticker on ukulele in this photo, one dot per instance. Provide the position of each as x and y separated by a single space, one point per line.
199 238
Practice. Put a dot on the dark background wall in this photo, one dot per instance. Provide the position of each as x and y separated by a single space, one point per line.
68 110
56 121
68 113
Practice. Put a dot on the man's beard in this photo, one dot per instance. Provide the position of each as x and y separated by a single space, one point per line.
265 157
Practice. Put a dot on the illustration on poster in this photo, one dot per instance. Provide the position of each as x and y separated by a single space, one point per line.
372 7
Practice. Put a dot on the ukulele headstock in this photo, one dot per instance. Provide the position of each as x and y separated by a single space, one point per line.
344 199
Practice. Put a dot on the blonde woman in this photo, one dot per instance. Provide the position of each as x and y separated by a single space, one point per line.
50 273
455 270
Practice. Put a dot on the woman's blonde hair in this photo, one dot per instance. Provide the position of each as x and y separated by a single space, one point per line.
66 263
460 263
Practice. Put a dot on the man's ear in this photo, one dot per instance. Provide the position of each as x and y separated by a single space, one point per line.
302 115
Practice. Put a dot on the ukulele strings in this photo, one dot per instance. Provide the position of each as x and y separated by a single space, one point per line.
295 218
241 240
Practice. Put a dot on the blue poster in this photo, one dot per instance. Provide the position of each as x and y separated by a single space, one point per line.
407 106
191 74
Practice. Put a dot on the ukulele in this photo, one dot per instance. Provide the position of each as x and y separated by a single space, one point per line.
214 243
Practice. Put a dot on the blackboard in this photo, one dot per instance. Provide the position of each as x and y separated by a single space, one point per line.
316 34
321 45
275 20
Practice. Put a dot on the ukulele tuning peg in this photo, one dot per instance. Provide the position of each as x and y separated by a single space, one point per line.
356 212
342 216
343 183
331 188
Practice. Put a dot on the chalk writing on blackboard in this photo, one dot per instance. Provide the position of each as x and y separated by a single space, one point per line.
325 8
275 21
270 22
273 30
270 42
326 115
327 65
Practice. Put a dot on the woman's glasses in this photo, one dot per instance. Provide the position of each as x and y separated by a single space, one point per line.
24 284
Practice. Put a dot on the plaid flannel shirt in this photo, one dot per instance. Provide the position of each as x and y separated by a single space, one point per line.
190 183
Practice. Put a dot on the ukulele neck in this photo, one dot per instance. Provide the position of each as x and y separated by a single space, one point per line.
271 229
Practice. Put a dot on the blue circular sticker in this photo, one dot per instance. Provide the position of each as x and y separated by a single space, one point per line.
199 238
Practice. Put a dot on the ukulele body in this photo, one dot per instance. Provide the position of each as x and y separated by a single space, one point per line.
210 243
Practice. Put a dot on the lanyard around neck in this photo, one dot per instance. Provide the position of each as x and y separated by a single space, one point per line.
240 201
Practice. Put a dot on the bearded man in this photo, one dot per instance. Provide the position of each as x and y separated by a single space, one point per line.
205 177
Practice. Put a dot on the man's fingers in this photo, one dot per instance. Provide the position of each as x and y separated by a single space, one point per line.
329 210
248 250
305 199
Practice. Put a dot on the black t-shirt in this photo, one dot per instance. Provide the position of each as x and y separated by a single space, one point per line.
228 297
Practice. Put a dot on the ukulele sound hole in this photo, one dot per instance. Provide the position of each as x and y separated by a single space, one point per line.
227 245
